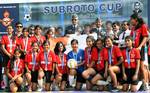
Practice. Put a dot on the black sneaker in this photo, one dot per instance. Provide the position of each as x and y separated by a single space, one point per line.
20 89
142 88
109 86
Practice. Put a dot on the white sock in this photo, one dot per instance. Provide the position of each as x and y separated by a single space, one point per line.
139 85
5 80
40 82
147 85
71 79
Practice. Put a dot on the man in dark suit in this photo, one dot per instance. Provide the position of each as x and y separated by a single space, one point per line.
99 29
74 28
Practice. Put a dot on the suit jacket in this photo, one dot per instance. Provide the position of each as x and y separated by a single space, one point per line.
71 29
100 34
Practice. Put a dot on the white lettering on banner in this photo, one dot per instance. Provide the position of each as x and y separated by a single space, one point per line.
82 7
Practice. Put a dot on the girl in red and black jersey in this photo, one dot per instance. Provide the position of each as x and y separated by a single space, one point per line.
130 65
9 44
47 63
61 65
15 70
88 63
38 36
139 33
25 42
32 66
99 60
115 60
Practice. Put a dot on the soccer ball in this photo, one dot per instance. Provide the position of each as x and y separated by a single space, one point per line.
27 17
72 63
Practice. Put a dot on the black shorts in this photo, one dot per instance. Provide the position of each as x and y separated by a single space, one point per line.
142 53
101 72
34 76
22 55
119 75
80 78
5 61
64 77
149 61
48 75
130 73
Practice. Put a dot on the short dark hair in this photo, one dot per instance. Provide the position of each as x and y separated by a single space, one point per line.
46 42
129 37
108 22
116 23
90 37
74 40
35 43
98 19
25 29
38 26
108 37
18 23
95 43
126 22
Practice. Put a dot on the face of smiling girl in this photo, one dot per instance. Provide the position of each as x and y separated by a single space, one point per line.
108 42
61 47
74 46
46 46
89 42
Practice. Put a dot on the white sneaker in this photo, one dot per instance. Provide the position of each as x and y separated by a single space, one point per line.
57 88
139 85
39 89
146 86
84 86
3 86
74 83
108 79
102 82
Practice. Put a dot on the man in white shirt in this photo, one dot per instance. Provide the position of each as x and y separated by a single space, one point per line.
125 32
109 31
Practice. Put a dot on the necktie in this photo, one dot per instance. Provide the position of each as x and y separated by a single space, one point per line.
123 35
74 28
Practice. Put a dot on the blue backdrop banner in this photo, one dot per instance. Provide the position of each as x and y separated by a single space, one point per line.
58 13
